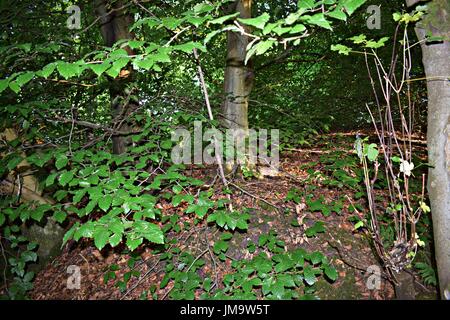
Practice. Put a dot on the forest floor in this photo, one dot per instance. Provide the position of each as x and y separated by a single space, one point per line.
315 184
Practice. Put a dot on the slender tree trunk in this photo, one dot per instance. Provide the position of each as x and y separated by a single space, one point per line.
436 60
114 22
238 78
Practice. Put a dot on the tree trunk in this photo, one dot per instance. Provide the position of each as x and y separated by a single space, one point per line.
238 79
436 60
114 22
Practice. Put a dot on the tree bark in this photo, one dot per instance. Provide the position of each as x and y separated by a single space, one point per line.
114 24
238 76
237 86
436 60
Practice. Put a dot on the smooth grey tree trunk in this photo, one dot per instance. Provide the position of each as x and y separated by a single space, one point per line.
238 81
436 60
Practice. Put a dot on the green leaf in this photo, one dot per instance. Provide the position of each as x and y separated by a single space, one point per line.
258 22
105 202
149 231
297 28
14 162
115 239
203 7
14 86
259 49
396 16
358 225
101 237
100 68
330 272
305 4
69 234
316 257
3 85
189 46
135 44
351 5
341 49
47 70
376 44
132 243
68 70
319 20
372 152
315 229
309 275
292 18
221 20
24 78
60 216
61 161
359 39
65 178
50 179
171 22
338 14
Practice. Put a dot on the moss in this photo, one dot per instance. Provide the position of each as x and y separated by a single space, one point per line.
345 290
436 20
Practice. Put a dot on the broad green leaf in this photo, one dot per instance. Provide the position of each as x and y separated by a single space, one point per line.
65 177
338 14
50 179
115 239
14 86
14 162
105 202
376 44
189 46
135 44
60 216
259 49
146 63
99 68
203 7
171 22
372 152
70 233
68 70
47 70
320 20
297 28
330 272
149 231
101 237
309 275
292 18
258 22
358 225
221 20
133 243
352 5
341 49
3 84
305 4
61 161
24 78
